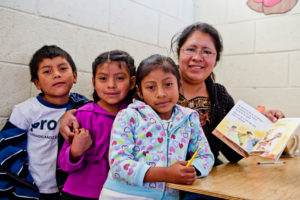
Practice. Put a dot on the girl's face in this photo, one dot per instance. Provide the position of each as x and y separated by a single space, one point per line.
194 69
112 84
160 90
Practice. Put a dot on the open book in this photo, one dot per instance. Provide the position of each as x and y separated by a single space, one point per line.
249 132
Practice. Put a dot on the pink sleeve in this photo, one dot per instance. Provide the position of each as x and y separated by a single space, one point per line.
64 159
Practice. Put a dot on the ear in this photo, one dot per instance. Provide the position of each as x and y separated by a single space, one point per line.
37 84
75 77
139 93
132 82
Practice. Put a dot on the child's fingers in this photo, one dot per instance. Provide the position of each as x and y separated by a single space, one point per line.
189 178
182 162
81 130
190 169
76 131
84 131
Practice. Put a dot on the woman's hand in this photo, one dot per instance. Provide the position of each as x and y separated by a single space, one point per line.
81 142
273 115
68 124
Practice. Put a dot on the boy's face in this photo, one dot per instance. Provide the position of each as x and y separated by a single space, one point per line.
159 90
55 79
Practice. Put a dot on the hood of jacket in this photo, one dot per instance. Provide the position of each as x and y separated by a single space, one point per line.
179 113
95 108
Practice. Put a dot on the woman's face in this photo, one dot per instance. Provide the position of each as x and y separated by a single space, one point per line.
194 69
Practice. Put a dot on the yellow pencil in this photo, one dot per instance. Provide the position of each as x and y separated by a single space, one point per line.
193 158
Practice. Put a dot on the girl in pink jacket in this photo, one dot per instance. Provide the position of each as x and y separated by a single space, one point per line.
86 157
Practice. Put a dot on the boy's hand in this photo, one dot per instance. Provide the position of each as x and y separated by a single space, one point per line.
81 142
273 115
68 124
179 173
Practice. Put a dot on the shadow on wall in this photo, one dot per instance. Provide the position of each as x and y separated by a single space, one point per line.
272 6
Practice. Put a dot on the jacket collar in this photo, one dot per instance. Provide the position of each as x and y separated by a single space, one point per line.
179 114
93 107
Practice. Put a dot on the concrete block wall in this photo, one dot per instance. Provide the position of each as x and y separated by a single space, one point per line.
84 29
261 58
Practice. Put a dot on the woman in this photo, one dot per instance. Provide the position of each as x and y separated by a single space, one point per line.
199 48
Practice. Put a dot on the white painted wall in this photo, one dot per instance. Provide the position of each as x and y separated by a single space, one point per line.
260 64
261 59
84 29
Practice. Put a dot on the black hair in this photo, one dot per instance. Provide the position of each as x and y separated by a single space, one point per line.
48 51
180 38
119 56
154 62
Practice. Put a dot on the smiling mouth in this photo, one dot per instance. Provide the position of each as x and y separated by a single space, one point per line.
196 67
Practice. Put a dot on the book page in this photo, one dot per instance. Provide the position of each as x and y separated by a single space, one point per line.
242 128
276 137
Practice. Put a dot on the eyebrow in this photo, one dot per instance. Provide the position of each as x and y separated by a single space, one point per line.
48 66
194 46
119 73
63 63
165 79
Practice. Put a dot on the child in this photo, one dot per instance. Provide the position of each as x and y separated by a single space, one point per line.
150 139
32 128
86 158
251 141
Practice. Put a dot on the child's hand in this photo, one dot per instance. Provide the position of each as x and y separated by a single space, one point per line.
81 142
179 173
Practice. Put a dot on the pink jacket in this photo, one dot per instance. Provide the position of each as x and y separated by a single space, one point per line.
87 176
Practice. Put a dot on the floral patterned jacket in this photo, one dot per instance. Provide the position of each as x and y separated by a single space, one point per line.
139 140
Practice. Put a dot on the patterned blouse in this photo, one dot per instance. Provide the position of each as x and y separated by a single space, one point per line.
200 104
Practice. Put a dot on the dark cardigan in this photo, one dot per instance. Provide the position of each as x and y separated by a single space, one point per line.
221 103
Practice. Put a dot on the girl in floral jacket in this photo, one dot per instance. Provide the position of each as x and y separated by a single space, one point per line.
151 138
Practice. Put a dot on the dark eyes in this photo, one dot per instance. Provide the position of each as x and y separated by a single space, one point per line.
50 70
207 52
192 50
46 72
102 78
151 87
169 84
120 78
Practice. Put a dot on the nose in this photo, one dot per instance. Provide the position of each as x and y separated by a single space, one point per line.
56 73
111 83
198 56
161 92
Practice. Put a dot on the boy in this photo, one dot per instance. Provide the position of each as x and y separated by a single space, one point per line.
29 140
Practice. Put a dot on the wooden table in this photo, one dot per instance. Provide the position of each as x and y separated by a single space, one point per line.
248 180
